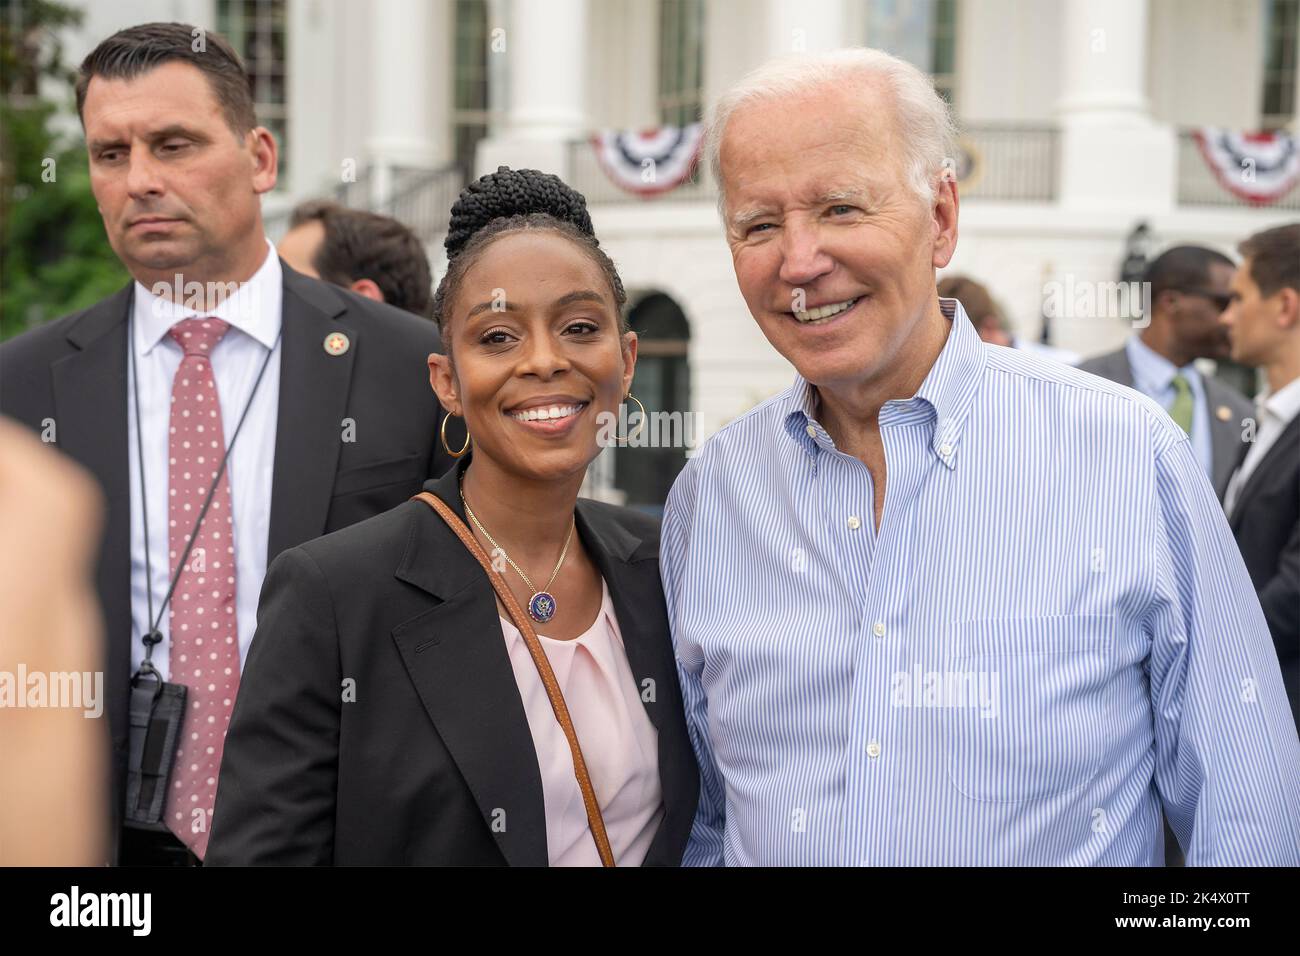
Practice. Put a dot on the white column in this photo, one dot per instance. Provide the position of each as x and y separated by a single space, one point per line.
807 26
1295 102
410 49
316 113
546 78
1114 157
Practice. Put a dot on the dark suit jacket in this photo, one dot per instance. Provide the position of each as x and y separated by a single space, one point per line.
1266 522
1225 433
436 745
74 371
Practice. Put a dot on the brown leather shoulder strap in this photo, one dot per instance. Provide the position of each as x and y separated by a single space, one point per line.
594 818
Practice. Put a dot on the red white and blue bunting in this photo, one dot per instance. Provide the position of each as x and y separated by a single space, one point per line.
649 162
1260 168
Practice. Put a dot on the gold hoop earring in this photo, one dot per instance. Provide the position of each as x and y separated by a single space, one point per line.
640 425
443 434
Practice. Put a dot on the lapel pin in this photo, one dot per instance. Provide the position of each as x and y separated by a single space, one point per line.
1224 413
336 343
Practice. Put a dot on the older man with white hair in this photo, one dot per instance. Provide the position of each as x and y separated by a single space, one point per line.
882 661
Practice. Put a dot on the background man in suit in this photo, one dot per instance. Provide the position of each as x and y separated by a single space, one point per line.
1263 500
1189 290
373 255
216 339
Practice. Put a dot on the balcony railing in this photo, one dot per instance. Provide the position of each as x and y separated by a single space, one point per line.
419 198
1197 185
1011 164
588 178
422 199
1014 164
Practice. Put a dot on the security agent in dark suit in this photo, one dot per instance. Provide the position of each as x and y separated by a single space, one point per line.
312 372
391 714
1188 292
1263 500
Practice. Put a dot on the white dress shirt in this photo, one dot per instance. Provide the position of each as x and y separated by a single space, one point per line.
254 316
1273 414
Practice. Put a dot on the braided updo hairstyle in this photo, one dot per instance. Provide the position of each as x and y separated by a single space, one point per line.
515 200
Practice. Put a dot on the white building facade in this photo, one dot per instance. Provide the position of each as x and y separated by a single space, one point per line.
1079 112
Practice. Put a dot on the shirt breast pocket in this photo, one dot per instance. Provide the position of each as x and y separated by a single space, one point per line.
1045 733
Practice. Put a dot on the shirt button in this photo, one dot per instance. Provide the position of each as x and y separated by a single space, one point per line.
854 523
879 629
873 750
945 451
812 432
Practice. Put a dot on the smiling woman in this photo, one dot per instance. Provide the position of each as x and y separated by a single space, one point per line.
531 308
530 301
567 747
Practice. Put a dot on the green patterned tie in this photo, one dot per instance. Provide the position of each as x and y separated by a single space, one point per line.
1181 409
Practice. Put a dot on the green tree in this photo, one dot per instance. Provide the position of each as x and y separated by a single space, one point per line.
55 256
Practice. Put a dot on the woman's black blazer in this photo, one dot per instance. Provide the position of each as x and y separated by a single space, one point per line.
378 720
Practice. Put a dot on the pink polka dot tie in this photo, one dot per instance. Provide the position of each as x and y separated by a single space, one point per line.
204 651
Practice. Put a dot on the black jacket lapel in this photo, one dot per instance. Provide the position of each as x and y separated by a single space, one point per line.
1225 433
1288 441
313 400
456 657
90 402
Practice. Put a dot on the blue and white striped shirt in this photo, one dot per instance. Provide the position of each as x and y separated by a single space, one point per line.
1051 636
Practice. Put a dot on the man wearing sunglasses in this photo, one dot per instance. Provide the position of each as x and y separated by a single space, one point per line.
1190 286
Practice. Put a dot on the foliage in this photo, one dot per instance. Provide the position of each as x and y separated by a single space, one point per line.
56 258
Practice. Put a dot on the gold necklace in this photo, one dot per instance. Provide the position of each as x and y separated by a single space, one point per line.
541 606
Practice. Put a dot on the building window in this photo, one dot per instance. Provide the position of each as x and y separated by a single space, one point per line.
470 106
643 475
923 32
681 61
1280 41
256 29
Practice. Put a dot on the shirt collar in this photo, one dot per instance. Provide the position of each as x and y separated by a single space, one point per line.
1284 404
254 308
1152 372
943 401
